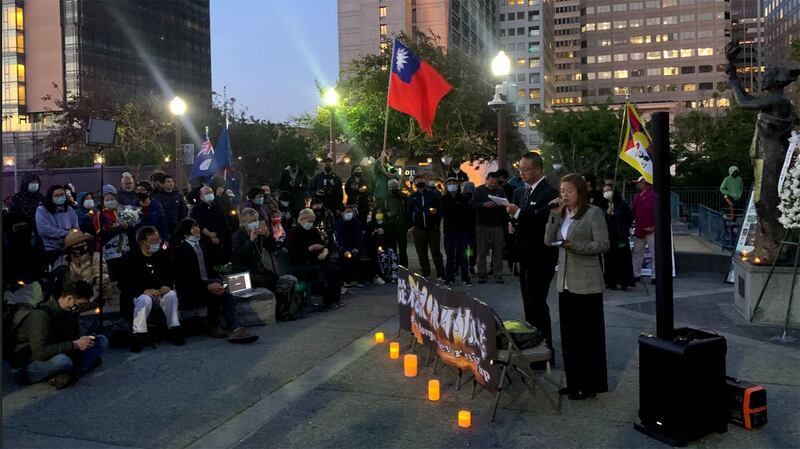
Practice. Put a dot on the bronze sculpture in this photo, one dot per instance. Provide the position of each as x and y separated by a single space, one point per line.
776 119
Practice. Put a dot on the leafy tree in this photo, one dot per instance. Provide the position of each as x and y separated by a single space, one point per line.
584 140
706 145
465 127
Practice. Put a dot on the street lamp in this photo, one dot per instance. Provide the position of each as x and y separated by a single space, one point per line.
501 66
331 99
177 107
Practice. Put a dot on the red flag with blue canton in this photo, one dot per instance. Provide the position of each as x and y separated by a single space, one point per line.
415 88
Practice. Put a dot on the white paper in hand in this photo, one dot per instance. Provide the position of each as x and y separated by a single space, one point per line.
499 200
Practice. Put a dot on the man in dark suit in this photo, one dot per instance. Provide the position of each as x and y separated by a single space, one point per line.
537 260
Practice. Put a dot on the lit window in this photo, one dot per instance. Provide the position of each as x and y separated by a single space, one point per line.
589 27
620 91
653 21
619 74
521 124
604 75
724 102
670 54
670 20
521 62
687 52
590 59
603 58
521 93
535 94
669 71
653 72
619 24
605 42
382 11
21 72
635 23
653 55
637 39
705 52
384 30
689 87
591 76
620 57
637 56
604 26
532 62
21 93
20 19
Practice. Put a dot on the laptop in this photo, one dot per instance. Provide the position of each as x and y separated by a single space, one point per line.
239 285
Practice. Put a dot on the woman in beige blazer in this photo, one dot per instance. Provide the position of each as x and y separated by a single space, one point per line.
580 232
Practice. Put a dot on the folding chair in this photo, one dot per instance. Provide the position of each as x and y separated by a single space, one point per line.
520 361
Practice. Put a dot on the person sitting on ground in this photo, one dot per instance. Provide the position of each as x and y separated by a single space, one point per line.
82 263
54 221
127 191
350 242
214 225
308 257
147 279
48 344
172 201
200 286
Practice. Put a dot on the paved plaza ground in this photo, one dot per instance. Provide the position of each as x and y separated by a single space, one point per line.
321 382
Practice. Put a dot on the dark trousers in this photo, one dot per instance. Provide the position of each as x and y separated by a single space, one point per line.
423 240
324 275
534 281
224 304
455 247
618 266
355 268
472 242
583 341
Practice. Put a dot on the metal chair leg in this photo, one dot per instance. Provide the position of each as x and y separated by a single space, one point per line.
499 391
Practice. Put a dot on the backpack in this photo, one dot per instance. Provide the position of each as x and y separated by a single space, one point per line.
17 305
524 334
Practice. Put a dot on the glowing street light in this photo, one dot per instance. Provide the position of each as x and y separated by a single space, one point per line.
501 65
330 98
178 108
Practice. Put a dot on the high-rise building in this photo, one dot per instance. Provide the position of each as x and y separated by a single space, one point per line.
57 49
367 26
665 54
567 35
747 29
781 29
525 33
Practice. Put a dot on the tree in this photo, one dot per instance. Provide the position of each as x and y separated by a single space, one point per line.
705 146
584 140
465 127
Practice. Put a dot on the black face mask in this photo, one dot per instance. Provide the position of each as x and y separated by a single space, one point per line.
143 196
420 185
79 251
395 191
328 169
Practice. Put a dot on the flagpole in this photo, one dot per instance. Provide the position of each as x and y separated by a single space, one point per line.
386 113
619 144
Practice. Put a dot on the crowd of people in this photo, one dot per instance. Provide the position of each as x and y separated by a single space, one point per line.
314 237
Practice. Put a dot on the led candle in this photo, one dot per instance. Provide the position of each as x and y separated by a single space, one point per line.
379 337
433 390
410 365
464 418
394 350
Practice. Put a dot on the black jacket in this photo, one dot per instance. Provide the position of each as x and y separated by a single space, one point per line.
213 218
488 216
457 213
191 288
175 208
531 222
328 187
245 254
138 273
297 242
423 209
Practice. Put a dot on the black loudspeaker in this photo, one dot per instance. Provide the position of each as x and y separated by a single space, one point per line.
682 386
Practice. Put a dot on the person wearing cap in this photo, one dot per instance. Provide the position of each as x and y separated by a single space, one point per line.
152 213
54 221
147 280
455 212
731 189
358 194
293 184
424 212
644 203
308 257
394 206
127 190
81 262
327 185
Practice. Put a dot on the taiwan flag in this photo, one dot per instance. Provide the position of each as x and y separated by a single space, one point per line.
415 88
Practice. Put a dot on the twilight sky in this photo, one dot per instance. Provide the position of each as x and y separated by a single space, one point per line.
269 52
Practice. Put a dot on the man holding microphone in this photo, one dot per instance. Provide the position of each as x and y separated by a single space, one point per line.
529 212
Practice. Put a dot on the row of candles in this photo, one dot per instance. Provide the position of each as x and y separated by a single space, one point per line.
410 369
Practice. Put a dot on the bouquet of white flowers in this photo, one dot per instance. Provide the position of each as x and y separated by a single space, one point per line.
790 198
129 214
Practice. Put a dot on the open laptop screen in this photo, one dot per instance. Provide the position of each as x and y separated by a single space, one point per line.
239 282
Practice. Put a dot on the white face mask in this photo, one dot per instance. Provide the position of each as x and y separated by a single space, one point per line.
155 247
307 225
33 187
608 195
110 204
285 203
208 198
348 216
251 226
88 204
192 239
452 188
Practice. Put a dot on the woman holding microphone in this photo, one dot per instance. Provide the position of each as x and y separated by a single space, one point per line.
579 231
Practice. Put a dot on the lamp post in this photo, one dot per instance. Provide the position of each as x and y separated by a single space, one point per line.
178 107
501 66
331 99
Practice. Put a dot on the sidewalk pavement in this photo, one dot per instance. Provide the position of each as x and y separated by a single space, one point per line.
321 382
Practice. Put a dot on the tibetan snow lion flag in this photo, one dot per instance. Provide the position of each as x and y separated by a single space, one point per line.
415 88
637 146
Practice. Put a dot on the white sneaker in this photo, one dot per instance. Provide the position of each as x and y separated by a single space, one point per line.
344 291
379 281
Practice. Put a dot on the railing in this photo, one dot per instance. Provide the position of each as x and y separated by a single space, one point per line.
715 227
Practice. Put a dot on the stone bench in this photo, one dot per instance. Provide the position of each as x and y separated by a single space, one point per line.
257 310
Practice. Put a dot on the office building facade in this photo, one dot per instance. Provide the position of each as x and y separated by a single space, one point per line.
781 29
60 49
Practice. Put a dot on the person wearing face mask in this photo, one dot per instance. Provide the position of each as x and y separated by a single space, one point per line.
731 189
28 198
294 183
397 225
424 212
359 194
152 213
23 252
199 285
285 208
54 221
308 257
596 197
491 221
112 233
381 246
86 210
350 244
579 231
256 200
327 186
48 344
80 262
617 262
146 281
214 226
455 212
457 173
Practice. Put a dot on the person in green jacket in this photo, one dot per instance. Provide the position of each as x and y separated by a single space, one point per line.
48 344
732 187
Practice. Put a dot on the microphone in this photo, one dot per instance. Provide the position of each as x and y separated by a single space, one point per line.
556 203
